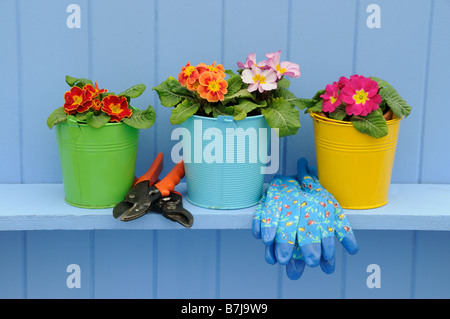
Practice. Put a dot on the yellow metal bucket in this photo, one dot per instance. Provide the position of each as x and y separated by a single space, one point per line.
356 168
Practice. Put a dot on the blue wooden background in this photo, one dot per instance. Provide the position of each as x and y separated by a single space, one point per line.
122 43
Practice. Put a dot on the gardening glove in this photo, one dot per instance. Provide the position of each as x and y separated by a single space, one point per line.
286 218
332 220
276 217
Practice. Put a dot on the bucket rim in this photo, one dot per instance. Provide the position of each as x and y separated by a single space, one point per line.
215 118
321 118
85 124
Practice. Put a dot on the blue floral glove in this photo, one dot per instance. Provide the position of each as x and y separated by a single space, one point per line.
289 217
298 223
276 218
332 220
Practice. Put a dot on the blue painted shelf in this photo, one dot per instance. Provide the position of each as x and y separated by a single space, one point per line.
42 207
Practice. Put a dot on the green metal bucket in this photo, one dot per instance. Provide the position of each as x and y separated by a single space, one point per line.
98 164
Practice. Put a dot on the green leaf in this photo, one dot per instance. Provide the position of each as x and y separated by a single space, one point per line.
72 120
395 101
207 109
82 116
283 84
141 119
134 91
317 106
57 116
97 121
234 84
306 103
183 111
71 80
318 94
171 92
244 93
222 110
373 124
282 115
289 96
82 82
243 108
230 72
338 114
381 83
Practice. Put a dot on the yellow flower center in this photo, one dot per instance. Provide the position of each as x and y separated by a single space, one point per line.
77 99
212 68
189 70
213 86
361 97
115 108
333 99
259 78
279 69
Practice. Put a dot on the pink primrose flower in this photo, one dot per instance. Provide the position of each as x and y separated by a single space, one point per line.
282 68
261 80
361 95
331 97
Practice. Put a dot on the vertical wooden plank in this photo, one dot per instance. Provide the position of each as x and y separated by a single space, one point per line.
392 252
244 273
10 158
187 31
186 264
244 34
49 253
396 52
322 39
123 54
123 264
436 132
11 265
314 283
49 51
431 269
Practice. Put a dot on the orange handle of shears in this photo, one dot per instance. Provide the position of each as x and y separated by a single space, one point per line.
168 183
153 172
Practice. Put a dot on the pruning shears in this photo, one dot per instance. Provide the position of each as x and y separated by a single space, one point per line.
151 194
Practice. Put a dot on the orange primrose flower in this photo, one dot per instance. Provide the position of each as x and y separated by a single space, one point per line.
93 91
202 67
74 99
188 75
212 86
117 107
97 105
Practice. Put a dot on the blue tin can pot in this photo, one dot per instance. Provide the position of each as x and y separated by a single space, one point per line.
225 160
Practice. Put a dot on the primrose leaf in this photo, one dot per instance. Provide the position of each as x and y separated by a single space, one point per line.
234 84
243 108
97 121
71 80
183 111
290 97
171 92
373 124
57 116
141 119
395 102
134 91
282 115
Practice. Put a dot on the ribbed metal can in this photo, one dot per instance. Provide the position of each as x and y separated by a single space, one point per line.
355 167
225 160
97 164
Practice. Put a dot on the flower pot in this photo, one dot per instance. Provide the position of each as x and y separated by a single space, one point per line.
98 164
355 167
224 160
